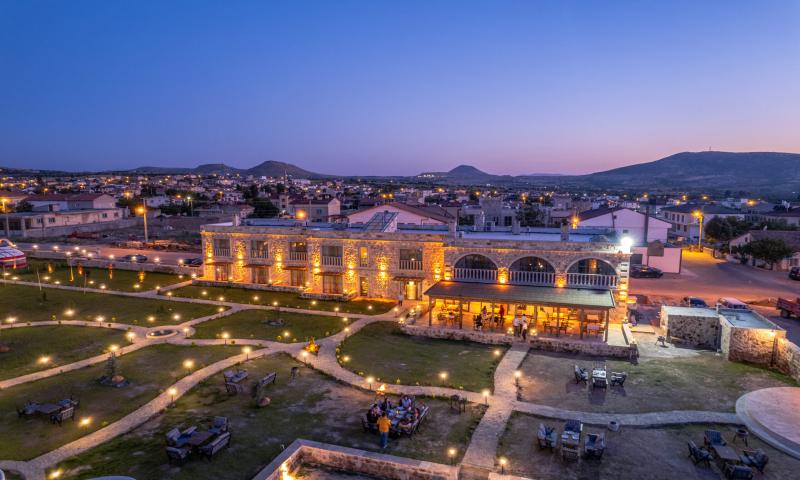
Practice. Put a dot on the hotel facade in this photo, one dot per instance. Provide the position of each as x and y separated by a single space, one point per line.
459 274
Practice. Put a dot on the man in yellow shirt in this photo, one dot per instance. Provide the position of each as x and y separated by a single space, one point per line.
383 429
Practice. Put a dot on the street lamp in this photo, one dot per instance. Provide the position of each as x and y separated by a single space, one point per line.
143 211
698 214
172 392
4 200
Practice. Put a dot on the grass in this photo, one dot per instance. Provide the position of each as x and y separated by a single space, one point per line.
150 370
29 304
121 280
383 351
312 407
284 299
60 344
703 381
631 453
251 324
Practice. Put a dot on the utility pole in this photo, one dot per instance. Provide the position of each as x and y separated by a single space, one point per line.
143 211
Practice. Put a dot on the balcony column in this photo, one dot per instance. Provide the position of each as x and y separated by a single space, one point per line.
430 311
558 321
605 332
460 314
582 317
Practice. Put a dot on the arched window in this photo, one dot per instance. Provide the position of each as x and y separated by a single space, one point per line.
531 264
592 266
475 261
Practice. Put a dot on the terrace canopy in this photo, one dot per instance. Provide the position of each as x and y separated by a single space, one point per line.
579 299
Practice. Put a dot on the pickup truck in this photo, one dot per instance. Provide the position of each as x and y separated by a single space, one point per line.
789 307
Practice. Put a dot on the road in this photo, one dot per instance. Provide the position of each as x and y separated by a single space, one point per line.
104 251
709 278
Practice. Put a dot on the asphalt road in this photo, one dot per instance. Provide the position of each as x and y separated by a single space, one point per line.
709 278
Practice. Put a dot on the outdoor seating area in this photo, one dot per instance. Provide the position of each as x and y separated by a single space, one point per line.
571 438
191 441
732 464
406 415
234 380
57 412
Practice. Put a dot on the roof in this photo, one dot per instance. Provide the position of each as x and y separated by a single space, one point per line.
790 237
433 212
783 213
599 212
312 201
706 209
65 197
571 297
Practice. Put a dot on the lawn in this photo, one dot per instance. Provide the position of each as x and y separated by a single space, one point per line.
383 351
312 407
284 299
29 304
150 370
59 345
631 453
252 324
704 381
121 280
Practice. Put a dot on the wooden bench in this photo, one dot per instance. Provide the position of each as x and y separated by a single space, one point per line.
216 445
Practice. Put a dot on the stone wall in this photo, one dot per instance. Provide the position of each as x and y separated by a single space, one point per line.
787 358
100 263
351 460
457 334
751 345
691 330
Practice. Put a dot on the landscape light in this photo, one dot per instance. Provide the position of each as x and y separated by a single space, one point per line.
443 375
486 395
188 364
130 336
11 320
113 348
44 360
246 351
85 421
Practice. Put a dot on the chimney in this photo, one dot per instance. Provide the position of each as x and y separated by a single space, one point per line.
480 221
564 231
515 225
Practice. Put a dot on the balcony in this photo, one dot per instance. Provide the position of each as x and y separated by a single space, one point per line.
259 254
475 275
329 261
222 252
298 257
531 278
592 280
411 265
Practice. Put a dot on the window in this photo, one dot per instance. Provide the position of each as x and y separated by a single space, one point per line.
508 221
51 220
363 256
332 284
298 278
222 273
259 249
363 286
222 247
260 275
104 215
332 251
410 259
299 247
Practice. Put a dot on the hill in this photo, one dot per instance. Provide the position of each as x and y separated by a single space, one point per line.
272 168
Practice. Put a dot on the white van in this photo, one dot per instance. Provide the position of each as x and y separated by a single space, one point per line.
732 304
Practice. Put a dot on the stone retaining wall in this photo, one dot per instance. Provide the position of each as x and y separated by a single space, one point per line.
457 334
351 460
701 331
787 358
751 345
249 286
103 263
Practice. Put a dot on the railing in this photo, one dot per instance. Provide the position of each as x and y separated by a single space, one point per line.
410 264
592 280
531 278
475 275
298 256
363 263
331 261
222 252
259 254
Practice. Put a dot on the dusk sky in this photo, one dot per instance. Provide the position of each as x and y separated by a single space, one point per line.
394 87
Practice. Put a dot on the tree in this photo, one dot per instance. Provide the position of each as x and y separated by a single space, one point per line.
264 209
769 250
530 216
23 206
725 229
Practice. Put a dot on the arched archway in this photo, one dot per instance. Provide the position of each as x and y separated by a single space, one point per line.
592 272
531 270
475 268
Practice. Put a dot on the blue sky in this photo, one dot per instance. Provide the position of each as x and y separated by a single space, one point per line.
394 87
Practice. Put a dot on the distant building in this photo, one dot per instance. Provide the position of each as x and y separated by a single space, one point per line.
315 210
625 222
78 201
406 214
790 237
687 225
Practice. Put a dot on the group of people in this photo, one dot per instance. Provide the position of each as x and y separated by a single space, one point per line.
379 414
521 325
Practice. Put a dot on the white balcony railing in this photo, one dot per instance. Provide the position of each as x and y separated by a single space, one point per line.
259 254
222 252
592 280
475 275
410 264
531 278
331 261
298 256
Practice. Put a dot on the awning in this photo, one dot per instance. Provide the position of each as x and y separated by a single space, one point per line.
256 265
329 274
406 278
220 263
291 267
485 292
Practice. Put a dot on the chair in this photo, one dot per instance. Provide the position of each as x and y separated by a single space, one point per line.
62 415
172 437
699 454
738 472
573 426
713 437
216 445
581 375
546 436
219 426
595 445
179 454
755 458
618 378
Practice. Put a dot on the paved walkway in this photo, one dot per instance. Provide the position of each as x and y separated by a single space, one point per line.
480 454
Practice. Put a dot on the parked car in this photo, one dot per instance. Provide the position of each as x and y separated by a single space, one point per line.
695 302
789 307
643 271
192 262
135 258
794 273
732 304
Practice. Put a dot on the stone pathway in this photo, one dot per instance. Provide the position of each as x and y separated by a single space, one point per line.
480 456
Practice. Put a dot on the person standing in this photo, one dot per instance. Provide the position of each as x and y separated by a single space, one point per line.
383 429
524 327
515 323
400 299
